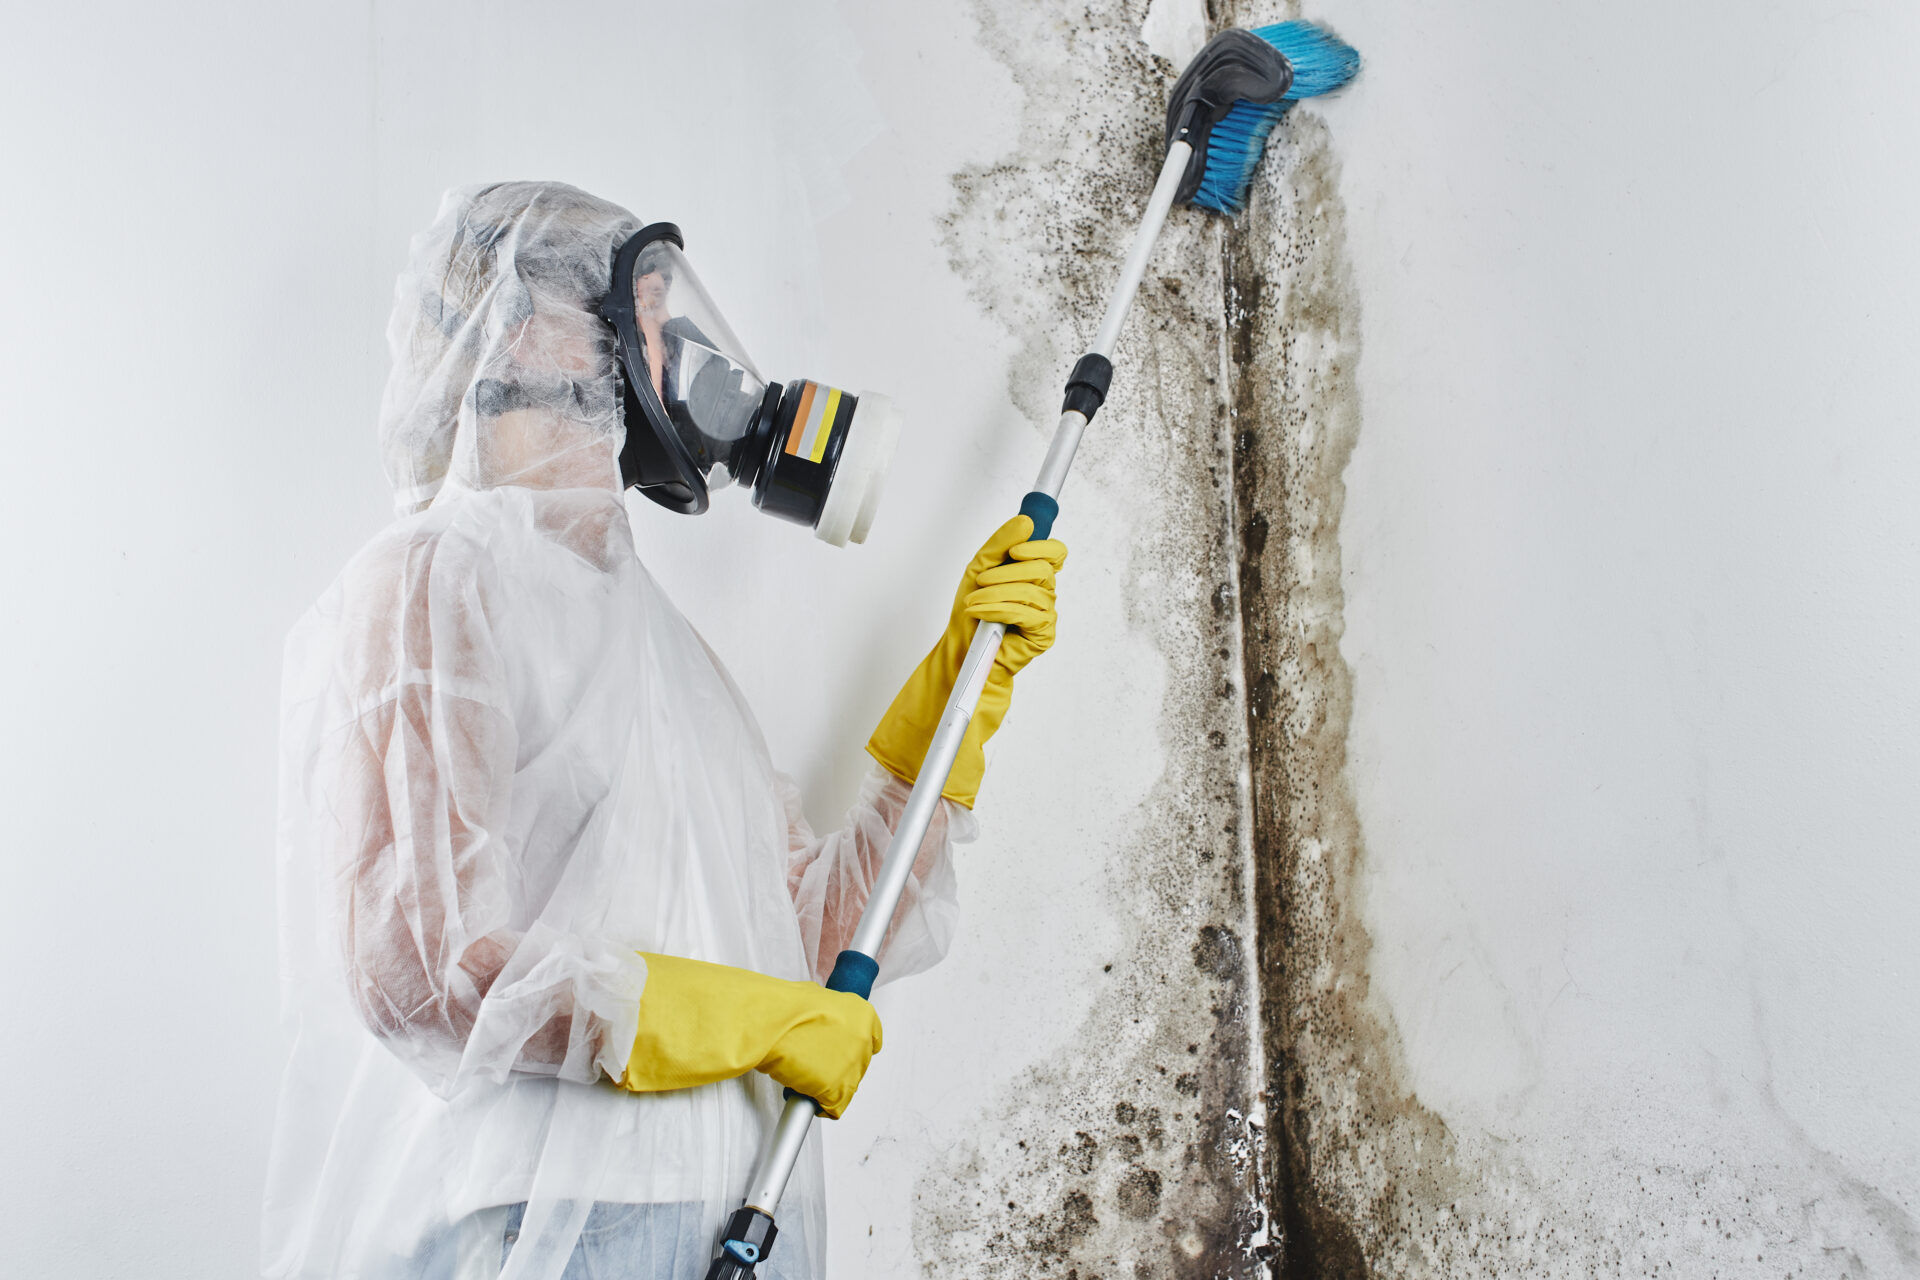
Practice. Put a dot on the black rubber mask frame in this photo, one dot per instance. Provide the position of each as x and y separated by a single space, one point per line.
782 444
655 459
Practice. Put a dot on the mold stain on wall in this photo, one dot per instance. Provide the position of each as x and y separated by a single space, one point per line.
1358 1165
1148 1155
1141 1154
1242 1104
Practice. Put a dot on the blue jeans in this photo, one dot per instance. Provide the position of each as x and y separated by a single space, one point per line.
631 1242
618 1242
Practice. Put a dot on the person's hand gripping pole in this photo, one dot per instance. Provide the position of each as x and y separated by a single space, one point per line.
1007 589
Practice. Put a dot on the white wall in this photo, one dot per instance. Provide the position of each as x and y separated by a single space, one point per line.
1632 551
189 320
1629 542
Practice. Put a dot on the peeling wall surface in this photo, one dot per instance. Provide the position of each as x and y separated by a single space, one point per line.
1465 827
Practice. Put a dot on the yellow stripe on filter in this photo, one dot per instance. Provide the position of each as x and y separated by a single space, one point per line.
818 449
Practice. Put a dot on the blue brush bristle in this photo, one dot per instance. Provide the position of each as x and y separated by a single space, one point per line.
1233 151
1322 62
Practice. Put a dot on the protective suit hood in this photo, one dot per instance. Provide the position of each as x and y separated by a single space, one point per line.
503 371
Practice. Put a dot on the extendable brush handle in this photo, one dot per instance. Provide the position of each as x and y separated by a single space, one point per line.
750 1231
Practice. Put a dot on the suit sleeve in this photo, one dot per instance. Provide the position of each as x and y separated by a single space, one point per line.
830 877
420 780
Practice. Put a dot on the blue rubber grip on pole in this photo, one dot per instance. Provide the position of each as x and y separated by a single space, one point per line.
1041 509
854 971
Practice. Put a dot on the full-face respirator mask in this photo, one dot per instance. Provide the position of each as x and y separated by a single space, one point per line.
700 417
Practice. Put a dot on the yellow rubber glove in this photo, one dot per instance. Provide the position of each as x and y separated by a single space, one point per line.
1009 581
703 1022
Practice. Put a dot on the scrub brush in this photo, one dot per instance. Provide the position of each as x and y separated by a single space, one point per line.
1320 63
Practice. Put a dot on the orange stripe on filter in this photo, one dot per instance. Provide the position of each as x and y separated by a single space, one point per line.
814 417
800 416
825 430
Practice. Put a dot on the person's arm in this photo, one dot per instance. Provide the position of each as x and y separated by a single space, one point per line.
830 877
1010 580
418 788
420 792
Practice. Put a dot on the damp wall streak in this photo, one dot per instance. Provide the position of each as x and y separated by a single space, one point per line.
1140 1152
1344 1121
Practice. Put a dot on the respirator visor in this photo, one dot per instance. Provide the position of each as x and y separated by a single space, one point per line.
700 416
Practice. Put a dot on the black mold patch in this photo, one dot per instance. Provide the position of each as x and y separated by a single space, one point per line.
1356 1156
1139 1193
1217 952
1234 387
1137 1156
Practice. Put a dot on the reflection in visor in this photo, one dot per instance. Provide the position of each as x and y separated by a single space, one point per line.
708 387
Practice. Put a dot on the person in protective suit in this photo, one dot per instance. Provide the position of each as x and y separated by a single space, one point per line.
553 925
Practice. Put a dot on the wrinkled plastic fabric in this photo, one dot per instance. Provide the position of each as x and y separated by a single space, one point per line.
509 765
503 370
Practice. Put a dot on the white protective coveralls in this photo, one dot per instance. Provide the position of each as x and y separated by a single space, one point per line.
509 765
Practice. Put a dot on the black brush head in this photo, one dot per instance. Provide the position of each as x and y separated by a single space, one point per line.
1234 66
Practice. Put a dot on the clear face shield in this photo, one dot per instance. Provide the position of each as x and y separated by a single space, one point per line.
700 417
